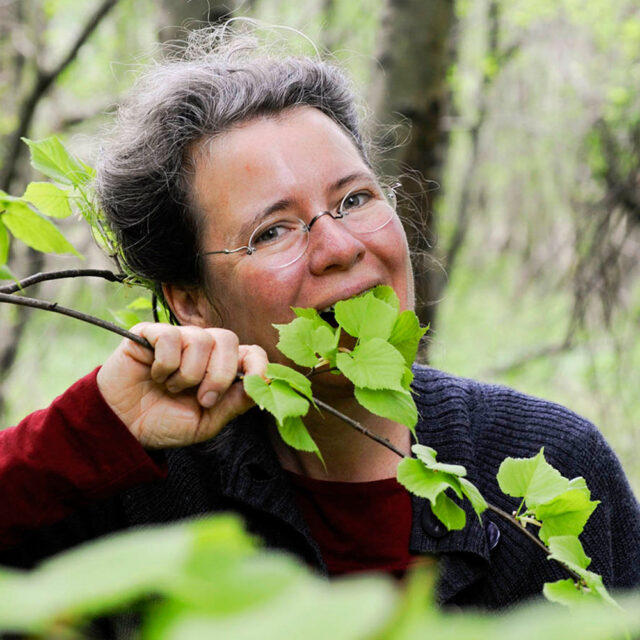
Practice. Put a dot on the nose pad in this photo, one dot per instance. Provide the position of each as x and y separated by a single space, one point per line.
332 245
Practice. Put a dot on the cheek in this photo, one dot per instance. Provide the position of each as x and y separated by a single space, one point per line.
253 299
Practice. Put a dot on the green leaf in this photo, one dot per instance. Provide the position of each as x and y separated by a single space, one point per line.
303 606
389 403
296 340
407 379
565 592
366 317
129 565
34 230
373 364
4 243
533 479
324 340
126 318
48 199
309 313
449 513
278 398
306 336
428 457
568 550
294 378
474 496
566 514
6 273
50 157
140 304
406 334
388 295
419 480
294 433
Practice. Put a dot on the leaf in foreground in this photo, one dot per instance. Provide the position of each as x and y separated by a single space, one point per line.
101 576
308 607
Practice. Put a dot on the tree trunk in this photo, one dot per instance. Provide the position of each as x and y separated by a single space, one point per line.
414 54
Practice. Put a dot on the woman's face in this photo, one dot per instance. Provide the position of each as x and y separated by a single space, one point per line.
294 163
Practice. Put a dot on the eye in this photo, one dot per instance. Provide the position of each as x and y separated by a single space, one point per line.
273 232
355 200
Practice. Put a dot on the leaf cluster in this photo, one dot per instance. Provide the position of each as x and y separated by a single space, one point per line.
427 478
559 508
27 217
378 364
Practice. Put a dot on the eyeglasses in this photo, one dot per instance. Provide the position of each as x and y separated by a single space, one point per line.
279 242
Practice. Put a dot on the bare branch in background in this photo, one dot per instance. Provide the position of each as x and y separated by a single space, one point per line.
44 80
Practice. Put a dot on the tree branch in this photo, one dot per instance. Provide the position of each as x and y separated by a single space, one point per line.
358 427
43 82
72 313
510 519
59 275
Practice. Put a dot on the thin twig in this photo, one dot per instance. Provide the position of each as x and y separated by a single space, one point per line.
358 427
509 518
72 313
59 275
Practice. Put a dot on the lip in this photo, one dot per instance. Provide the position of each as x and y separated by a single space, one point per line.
349 292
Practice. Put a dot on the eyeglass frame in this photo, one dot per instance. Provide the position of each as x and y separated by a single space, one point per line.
339 215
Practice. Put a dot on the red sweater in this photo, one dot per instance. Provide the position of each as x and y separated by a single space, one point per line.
60 458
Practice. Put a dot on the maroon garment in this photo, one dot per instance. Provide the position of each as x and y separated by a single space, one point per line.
359 526
63 457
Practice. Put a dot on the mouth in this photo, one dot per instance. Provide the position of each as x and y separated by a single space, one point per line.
328 314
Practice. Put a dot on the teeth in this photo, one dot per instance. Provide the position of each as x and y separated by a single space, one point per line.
328 309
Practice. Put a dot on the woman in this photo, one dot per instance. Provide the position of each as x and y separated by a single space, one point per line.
213 160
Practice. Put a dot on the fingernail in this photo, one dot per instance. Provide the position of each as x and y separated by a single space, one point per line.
209 399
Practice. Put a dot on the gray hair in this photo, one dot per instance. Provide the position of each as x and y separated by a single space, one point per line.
220 80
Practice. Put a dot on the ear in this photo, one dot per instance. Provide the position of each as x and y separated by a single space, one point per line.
190 305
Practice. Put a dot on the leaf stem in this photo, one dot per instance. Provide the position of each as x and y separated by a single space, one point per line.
72 313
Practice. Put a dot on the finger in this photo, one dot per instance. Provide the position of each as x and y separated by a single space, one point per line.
167 348
252 360
196 350
221 369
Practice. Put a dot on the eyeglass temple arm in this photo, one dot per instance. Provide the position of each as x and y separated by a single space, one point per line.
228 251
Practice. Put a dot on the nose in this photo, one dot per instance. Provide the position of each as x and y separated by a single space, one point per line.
332 246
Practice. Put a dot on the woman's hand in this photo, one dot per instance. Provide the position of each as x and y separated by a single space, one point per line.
185 390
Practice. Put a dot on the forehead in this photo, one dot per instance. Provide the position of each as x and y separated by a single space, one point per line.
292 156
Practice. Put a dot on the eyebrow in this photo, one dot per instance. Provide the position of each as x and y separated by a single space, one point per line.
285 203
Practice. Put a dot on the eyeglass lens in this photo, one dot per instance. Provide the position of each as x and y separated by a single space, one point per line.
279 243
